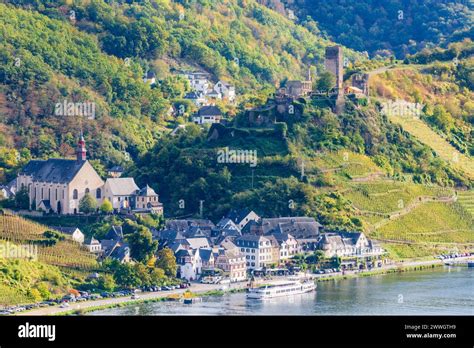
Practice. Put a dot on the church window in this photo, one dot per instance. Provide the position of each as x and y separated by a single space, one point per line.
98 193
41 193
75 194
87 190
56 194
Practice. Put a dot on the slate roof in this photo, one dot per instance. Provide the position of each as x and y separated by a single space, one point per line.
226 223
298 227
91 241
196 243
238 215
120 252
122 186
65 230
205 254
53 170
282 237
46 203
209 110
184 225
115 233
116 169
147 191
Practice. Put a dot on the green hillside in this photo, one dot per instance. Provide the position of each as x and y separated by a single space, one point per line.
394 27
96 51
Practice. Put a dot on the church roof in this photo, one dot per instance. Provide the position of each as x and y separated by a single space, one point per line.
53 170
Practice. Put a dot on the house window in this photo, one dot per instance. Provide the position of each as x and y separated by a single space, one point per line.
75 194
98 193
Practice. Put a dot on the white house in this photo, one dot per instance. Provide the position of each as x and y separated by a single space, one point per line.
190 264
226 90
348 244
197 98
256 249
242 217
288 245
208 115
198 81
93 245
121 192
75 233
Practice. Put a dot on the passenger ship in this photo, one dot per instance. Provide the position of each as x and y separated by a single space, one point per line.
286 288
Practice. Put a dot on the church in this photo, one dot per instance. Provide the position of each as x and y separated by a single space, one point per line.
58 185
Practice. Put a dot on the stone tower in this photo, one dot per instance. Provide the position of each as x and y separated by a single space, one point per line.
334 64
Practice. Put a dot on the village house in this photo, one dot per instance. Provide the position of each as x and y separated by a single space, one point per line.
198 98
305 230
344 244
147 199
242 217
198 81
288 245
8 191
207 258
189 264
226 90
208 115
233 263
115 172
256 249
93 245
149 78
74 232
120 192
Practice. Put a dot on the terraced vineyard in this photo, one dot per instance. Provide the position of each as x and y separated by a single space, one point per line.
446 151
384 198
349 164
441 224
65 253
466 200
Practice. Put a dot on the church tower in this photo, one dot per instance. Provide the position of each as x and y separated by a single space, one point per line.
81 149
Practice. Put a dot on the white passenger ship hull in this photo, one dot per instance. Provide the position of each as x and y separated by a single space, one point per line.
281 290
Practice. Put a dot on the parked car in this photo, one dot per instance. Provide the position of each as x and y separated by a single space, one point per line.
135 297
64 305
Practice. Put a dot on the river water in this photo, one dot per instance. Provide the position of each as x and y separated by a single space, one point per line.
441 291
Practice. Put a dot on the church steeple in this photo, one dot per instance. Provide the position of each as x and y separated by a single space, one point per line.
81 149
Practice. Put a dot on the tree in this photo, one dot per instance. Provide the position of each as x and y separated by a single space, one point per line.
22 199
106 207
167 262
142 245
106 282
87 204
326 81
